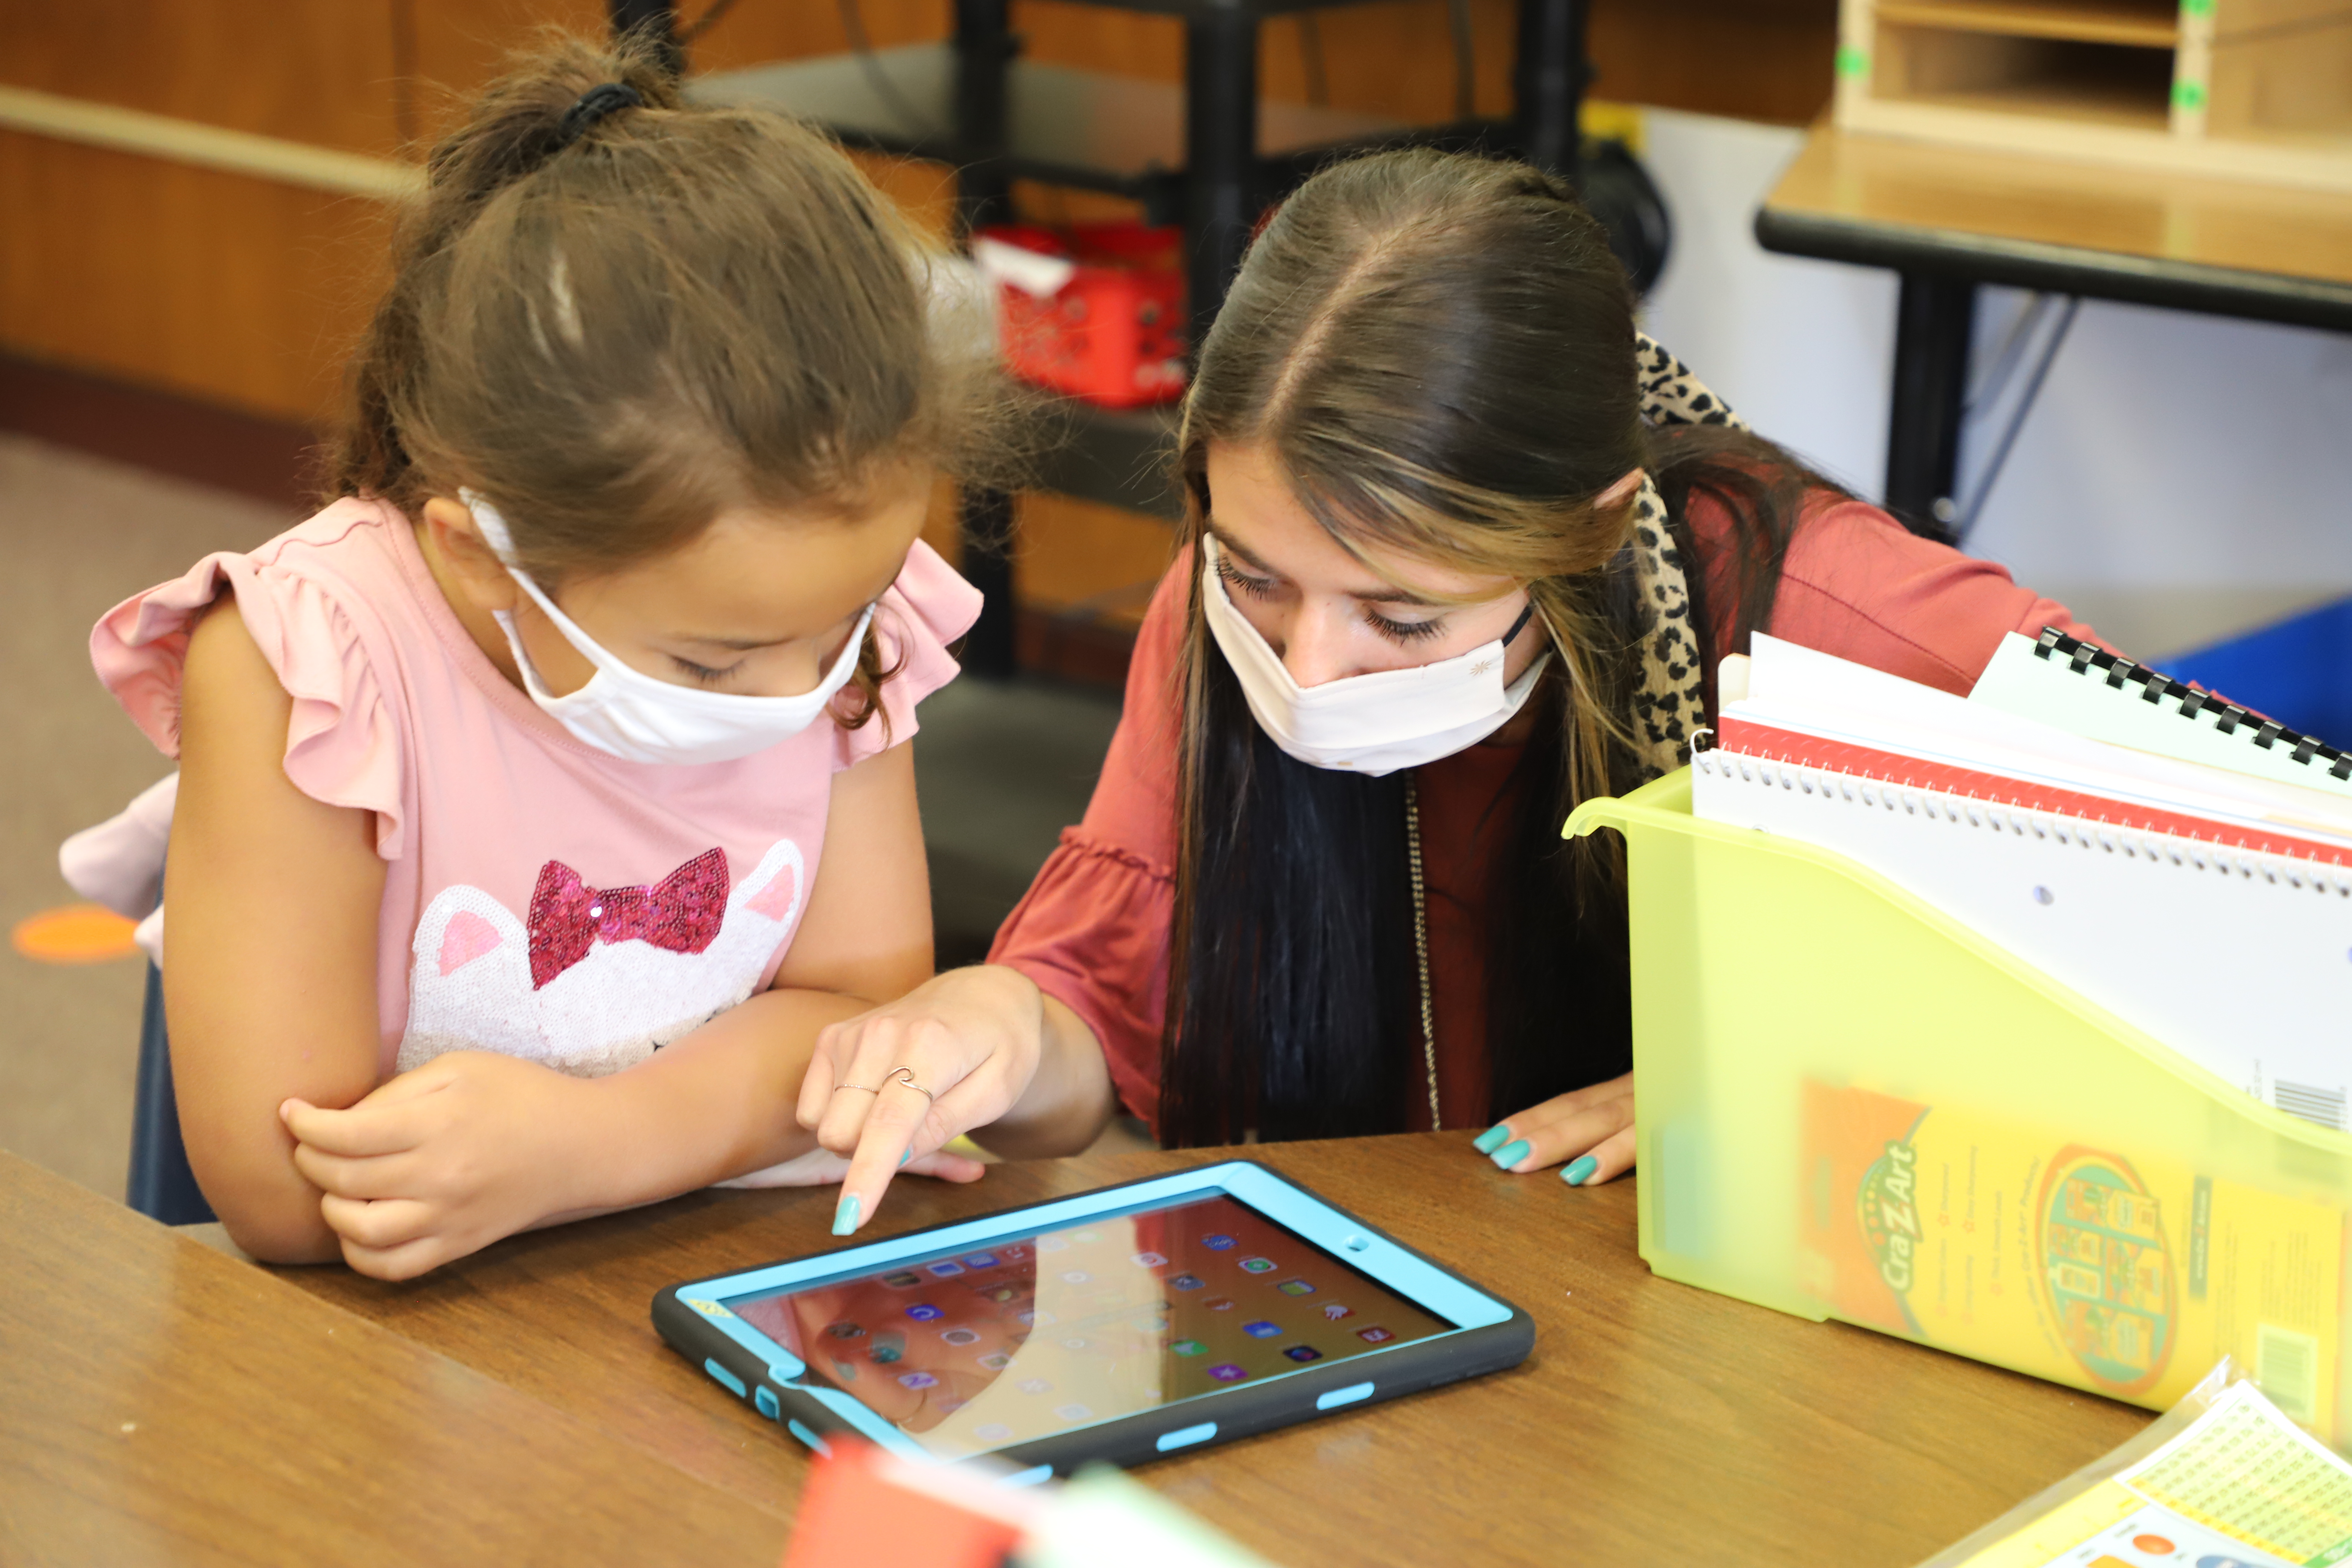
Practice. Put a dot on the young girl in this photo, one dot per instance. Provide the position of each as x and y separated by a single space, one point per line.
544 796
1460 550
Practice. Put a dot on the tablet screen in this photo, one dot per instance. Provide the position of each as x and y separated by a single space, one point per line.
966 1352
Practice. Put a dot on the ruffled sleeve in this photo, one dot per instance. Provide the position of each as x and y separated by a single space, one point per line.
343 745
929 608
1092 930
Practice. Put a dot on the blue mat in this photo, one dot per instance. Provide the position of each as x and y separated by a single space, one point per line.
2298 671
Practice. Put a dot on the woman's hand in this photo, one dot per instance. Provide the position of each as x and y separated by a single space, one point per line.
1591 1128
441 1162
893 1084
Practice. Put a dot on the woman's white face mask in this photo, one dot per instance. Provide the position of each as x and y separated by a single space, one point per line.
629 714
1371 724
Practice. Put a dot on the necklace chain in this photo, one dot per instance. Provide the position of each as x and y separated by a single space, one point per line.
1420 943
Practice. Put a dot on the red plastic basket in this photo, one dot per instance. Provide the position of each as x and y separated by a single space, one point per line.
1114 333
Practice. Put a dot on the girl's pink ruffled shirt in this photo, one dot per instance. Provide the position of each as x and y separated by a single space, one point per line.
542 898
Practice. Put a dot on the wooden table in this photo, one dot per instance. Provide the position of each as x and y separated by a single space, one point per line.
1654 1423
162 1402
1948 219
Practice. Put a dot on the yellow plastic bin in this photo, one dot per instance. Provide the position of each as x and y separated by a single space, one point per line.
1852 1106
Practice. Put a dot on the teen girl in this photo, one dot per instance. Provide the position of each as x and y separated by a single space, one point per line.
560 767
1459 550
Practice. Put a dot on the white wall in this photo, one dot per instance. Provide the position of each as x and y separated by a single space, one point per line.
2181 478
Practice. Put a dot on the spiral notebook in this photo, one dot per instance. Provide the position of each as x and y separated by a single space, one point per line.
2210 908
2082 687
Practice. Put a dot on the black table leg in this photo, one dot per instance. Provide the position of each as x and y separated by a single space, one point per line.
1220 153
1548 83
983 48
1934 320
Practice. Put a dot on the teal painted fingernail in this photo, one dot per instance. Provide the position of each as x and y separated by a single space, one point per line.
1583 1165
1511 1154
844 1218
1492 1139
905 1155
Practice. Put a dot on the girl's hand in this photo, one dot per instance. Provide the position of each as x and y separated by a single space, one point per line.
970 1040
1591 1128
441 1162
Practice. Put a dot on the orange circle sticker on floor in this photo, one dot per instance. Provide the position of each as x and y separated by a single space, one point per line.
76 933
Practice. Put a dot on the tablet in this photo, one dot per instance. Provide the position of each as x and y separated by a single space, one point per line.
1116 1325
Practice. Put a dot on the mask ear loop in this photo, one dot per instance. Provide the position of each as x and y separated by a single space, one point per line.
1520 625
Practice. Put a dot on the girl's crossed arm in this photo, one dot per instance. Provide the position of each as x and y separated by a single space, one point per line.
273 1005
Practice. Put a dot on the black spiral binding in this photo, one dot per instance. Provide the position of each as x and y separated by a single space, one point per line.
2155 687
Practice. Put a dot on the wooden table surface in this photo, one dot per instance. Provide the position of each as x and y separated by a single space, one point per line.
1653 1422
2223 247
162 1403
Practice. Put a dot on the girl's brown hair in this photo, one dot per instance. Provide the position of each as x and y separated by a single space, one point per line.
1438 351
618 334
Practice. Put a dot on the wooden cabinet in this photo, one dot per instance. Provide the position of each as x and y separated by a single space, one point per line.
2258 89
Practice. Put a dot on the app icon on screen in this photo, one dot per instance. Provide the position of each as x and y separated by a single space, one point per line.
1076 1276
845 1332
1374 1336
1084 1237
1219 1303
1150 1323
844 1371
1226 1372
1261 1330
904 1280
1002 1293
995 1360
960 1337
1189 1347
1186 1281
1074 1413
1257 1265
1295 1288
888 1346
1302 1352
924 1312
1034 1386
1029 1318
980 1260
994 1432
1217 1242
945 1271
917 1380
1333 1311
1051 1244
1074 1343
1147 1260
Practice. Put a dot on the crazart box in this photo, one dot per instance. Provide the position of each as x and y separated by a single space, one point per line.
1849 1105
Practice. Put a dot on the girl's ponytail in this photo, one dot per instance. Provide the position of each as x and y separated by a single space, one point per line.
514 129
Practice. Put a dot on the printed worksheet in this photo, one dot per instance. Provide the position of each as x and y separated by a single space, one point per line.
2242 1487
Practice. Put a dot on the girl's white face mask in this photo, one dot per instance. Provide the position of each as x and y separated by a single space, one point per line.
1370 724
631 715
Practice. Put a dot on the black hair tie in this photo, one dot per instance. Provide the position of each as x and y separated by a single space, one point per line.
598 102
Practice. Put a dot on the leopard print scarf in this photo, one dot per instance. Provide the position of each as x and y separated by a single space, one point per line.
1669 705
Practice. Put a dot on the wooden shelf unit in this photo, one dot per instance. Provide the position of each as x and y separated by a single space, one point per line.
2255 90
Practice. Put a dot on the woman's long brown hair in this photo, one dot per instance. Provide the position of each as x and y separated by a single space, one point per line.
1438 350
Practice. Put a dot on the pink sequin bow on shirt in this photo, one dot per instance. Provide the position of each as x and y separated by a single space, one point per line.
682 914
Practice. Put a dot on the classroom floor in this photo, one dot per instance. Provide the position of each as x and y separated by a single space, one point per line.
1002 768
